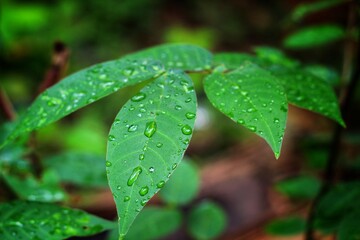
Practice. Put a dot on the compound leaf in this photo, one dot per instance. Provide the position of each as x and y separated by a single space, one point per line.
253 98
147 142
180 56
33 220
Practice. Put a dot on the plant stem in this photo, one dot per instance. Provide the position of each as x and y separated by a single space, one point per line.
334 148
6 106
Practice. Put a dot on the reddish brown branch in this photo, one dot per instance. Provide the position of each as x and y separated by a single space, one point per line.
58 67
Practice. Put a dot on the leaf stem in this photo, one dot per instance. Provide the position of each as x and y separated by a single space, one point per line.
6 106
334 148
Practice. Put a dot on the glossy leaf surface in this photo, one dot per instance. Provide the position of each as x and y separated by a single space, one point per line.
147 142
234 60
32 220
83 88
253 98
183 184
179 56
308 91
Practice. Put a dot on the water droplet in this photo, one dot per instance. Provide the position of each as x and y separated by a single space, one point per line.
143 202
108 164
159 145
276 120
102 77
111 138
250 110
126 198
241 121
118 187
144 190
132 128
186 130
141 156
151 169
178 107
138 97
160 184
116 122
134 176
190 115
252 128
188 100
150 129
128 71
174 166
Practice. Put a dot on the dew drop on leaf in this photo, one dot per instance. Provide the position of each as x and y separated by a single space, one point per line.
151 169
126 198
141 156
132 128
186 130
144 190
111 138
159 145
252 128
150 129
138 97
108 164
160 184
190 115
134 176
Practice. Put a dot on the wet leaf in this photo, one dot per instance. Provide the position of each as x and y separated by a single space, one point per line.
33 220
286 226
206 220
253 98
82 169
234 60
314 36
302 187
183 184
179 56
308 91
271 56
147 141
83 88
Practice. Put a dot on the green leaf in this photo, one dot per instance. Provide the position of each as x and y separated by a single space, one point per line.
303 187
314 36
340 201
183 185
269 56
253 98
83 88
349 228
47 189
327 74
234 60
307 8
33 220
147 142
286 226
308 91
207 220
180 56
154 223
83 169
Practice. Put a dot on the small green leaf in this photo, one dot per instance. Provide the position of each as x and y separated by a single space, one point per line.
179 56
253 98
183 185
147 142
154 223
47 189
314 36
33 220
286 226
307 8
73 167
308 91
83 88
206 221
327 74
234 60
269 56
350 227
303 187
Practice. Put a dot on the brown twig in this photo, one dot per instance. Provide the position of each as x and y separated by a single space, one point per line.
6 106
58 67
